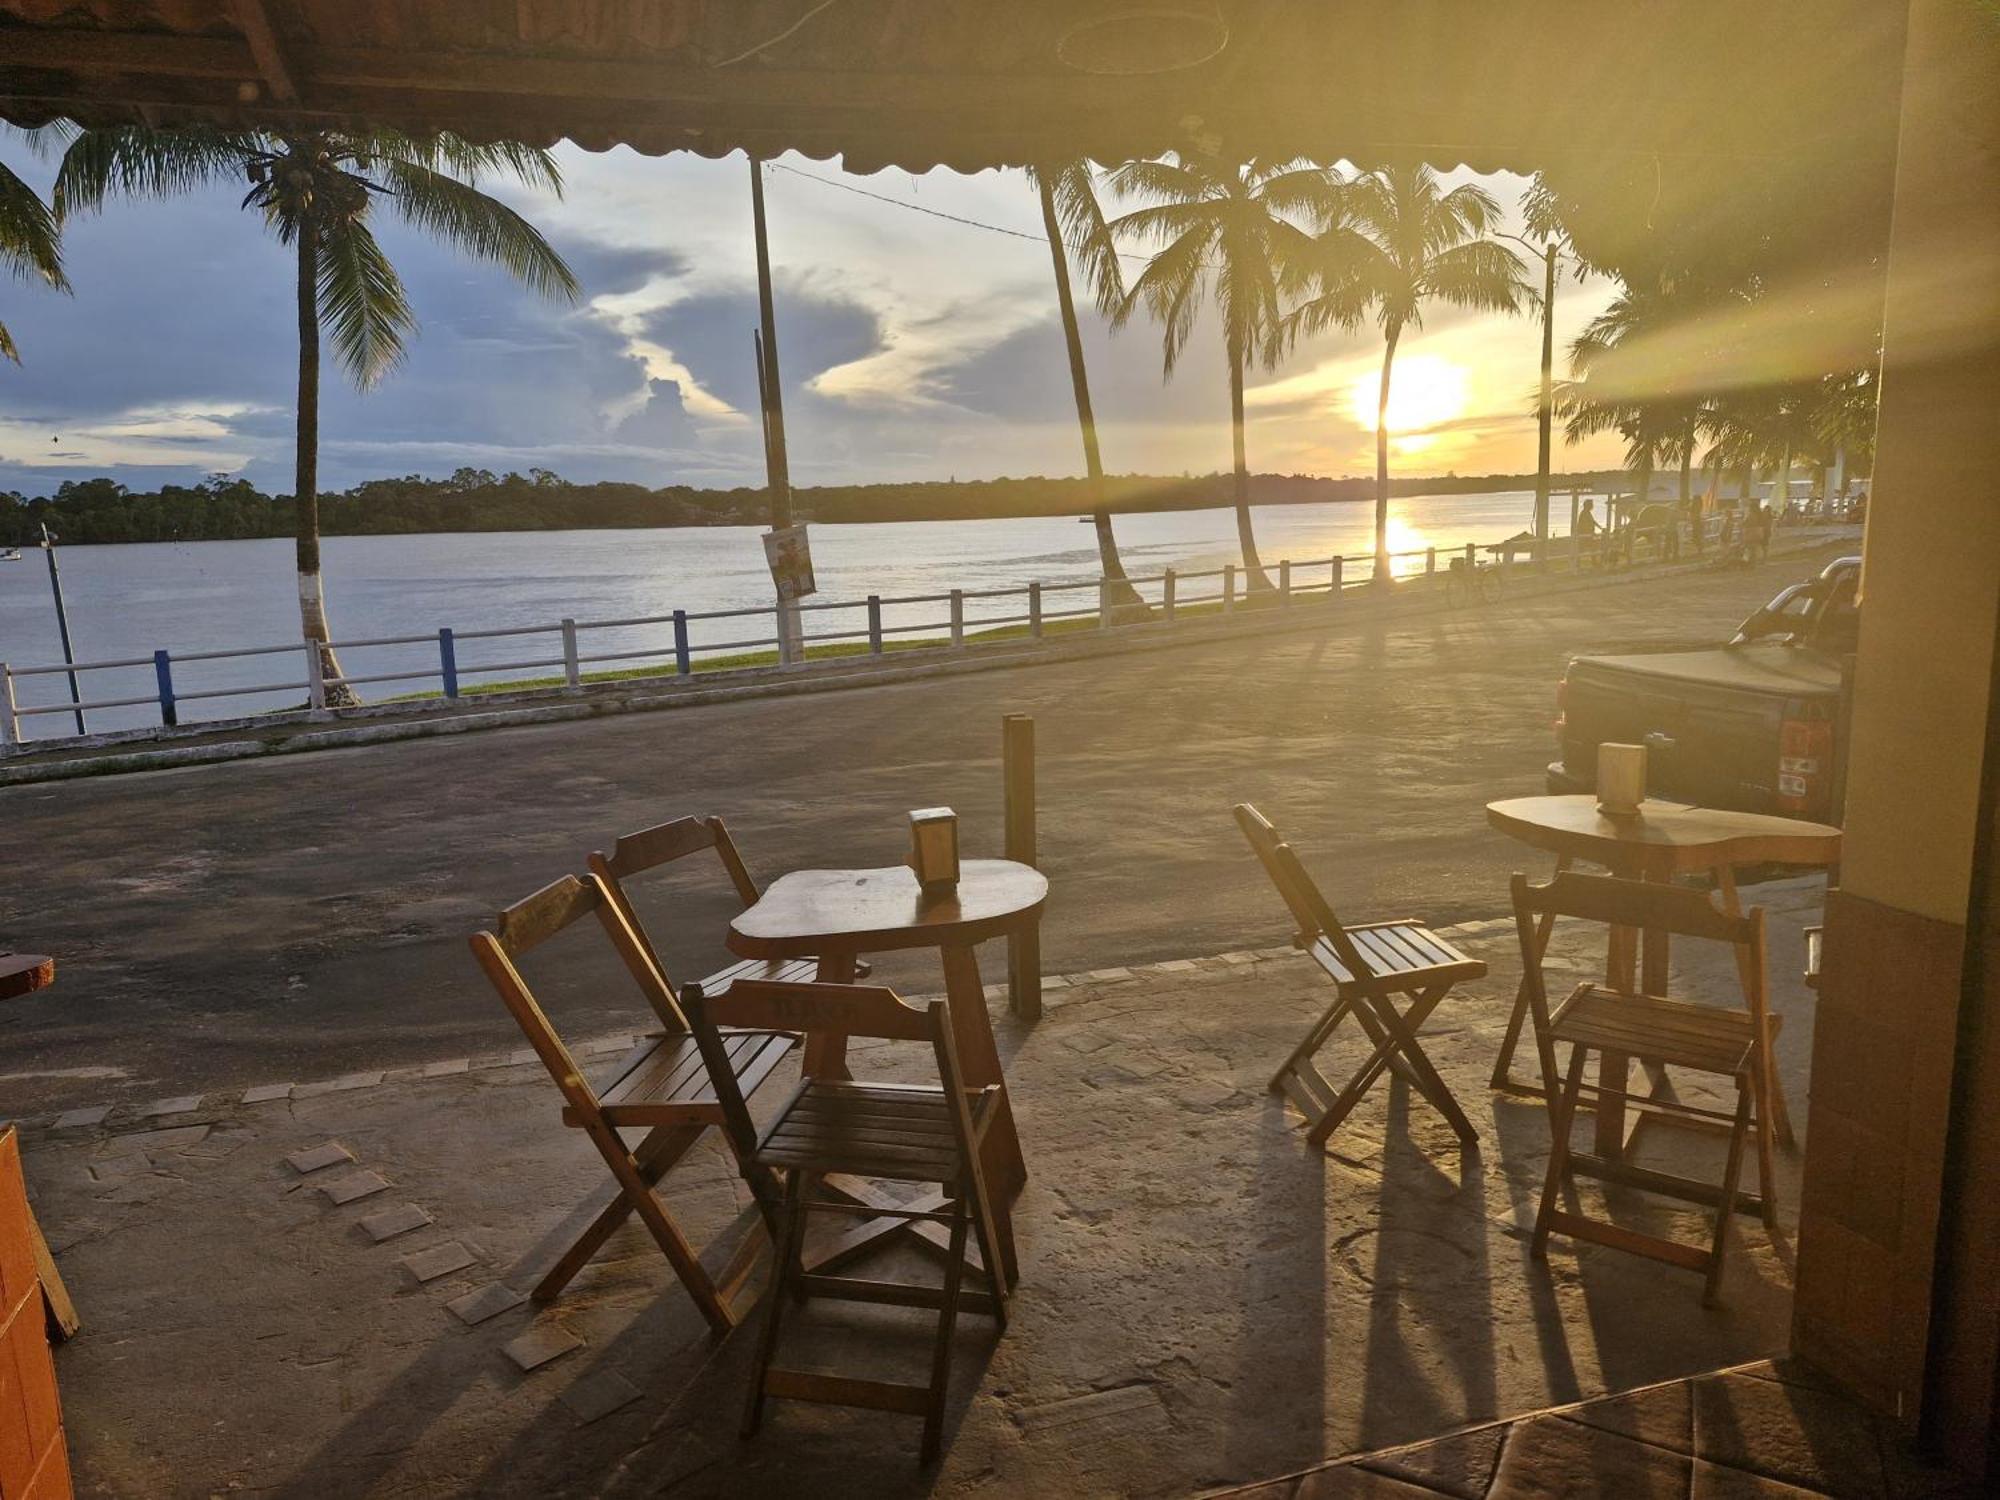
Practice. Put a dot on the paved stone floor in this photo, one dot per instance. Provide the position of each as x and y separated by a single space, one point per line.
1765 1431
1203 1301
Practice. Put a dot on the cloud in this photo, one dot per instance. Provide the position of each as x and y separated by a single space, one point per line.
911 346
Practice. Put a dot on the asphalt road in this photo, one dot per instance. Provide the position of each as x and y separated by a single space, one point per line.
304 916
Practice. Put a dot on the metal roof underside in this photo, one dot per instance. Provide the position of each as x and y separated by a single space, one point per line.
1696 86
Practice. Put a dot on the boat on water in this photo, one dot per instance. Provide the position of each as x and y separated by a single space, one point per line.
10 554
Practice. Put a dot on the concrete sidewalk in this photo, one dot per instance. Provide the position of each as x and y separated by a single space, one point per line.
1203 1302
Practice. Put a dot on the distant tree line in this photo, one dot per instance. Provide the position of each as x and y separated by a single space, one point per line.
222 508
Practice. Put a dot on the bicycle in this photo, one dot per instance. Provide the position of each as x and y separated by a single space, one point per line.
1472 584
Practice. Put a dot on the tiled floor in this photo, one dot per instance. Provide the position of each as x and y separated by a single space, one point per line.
1204 1301
1765 1431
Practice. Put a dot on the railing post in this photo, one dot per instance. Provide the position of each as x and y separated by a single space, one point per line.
1104 602
1284 581
958 617
1228 587
163 674
1337 582
10 723
572 677
315 677
874 624
683 660
1167 596
1471 556
1035 611
1430 562
448 661
1024 944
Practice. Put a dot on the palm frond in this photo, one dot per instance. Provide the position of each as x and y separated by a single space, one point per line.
132 161
30 238
467 160
1481 275
477 225
1184 180
362 304
1541 210
1170 288
1160 222
1087 237
1316 195
7 349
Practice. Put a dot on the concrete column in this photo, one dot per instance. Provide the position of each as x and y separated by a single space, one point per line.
1899 1247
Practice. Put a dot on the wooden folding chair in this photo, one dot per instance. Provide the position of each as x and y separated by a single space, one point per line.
1724 1042
662 844
1370 965
908 1133
662 1085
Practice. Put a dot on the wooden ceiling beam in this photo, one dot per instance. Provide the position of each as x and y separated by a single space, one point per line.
266 49
133 55
124 52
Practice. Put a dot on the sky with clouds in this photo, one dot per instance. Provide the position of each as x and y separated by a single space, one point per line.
912 347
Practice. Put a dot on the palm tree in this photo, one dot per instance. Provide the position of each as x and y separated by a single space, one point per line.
1402 241
1070 207
1223 231
1640 368
30 239
316 192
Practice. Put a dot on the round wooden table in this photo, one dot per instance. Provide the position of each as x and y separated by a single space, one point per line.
1662 840
840 915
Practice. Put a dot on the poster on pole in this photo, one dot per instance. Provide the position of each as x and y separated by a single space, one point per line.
789 552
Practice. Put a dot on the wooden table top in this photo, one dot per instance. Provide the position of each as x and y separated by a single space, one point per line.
1665 837
24 973
877 911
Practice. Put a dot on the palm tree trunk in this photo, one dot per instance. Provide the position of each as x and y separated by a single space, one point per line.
1120 591
1254 580
1383 563
305 485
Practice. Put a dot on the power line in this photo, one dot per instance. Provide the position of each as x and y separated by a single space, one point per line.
938 213
915 208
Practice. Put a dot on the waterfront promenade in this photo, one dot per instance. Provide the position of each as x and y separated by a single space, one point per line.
304 916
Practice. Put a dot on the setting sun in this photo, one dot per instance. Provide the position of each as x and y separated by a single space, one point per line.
1424 391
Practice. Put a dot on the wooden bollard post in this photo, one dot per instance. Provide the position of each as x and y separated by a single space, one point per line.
1024 945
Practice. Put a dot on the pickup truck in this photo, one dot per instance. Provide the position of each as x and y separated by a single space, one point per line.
1752 725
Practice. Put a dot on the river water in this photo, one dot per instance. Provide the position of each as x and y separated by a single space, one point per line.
188 598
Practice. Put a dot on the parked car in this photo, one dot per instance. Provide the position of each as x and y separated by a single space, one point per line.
1754 725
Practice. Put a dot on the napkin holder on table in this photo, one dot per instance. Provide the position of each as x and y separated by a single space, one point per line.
934 849
1621 779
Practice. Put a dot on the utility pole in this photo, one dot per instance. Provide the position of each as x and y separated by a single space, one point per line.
777 467
1545 407
62 624
770 389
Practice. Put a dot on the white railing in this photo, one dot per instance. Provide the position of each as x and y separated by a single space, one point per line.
573 653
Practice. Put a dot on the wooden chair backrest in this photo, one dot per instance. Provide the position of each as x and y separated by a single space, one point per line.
650 848
528 924
1650 906
1311 910
864 1010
